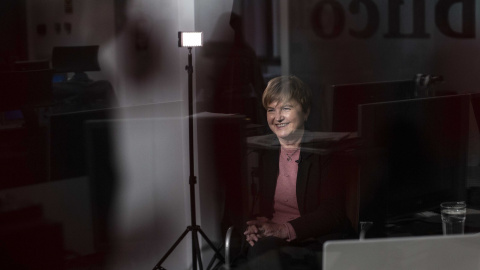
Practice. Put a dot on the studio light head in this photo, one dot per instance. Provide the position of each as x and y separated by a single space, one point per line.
190 39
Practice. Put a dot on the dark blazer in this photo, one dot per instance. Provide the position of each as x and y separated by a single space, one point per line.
320 195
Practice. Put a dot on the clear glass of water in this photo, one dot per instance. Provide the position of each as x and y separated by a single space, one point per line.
453 217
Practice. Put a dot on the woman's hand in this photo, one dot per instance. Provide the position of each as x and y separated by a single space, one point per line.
262 227
275 230
253 231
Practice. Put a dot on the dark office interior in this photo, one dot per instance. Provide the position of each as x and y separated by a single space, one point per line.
94 120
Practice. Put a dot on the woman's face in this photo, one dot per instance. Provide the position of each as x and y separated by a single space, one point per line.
286 119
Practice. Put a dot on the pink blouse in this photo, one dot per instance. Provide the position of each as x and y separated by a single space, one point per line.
285 200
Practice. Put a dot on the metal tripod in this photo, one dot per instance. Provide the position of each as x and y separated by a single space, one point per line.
194 228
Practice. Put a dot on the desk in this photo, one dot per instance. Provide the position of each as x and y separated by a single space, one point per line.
418 225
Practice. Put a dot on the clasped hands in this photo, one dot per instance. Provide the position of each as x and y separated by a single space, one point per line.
263 227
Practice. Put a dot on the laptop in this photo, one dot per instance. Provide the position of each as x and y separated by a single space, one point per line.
404 253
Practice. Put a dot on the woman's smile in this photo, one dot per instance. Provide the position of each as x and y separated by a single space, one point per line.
286 120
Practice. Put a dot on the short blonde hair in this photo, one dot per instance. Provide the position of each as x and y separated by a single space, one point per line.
284 88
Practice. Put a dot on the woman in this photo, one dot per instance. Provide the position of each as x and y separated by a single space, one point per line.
298 203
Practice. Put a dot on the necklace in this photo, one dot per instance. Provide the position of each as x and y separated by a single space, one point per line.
289 157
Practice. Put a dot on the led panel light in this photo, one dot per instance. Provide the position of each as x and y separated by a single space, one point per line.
190 39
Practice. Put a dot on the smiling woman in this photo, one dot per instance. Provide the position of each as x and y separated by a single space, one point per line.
287 101
299 206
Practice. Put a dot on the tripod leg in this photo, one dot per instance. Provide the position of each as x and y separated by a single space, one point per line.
196 251
214 258
217 252
158 266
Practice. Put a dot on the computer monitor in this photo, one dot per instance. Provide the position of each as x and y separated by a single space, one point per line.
416 155
428 252
347 97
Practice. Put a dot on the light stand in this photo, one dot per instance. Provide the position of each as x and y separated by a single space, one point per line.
189 40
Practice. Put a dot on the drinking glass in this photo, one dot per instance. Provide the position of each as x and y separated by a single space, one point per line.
453 217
